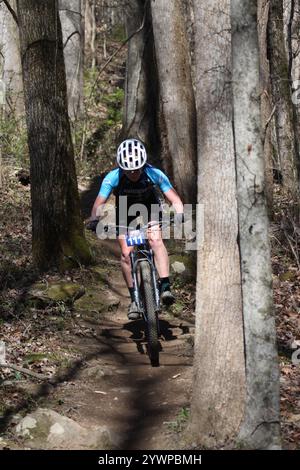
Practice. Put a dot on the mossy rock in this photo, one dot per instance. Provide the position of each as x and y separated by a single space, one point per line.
97 301
42 294
100 275
46 429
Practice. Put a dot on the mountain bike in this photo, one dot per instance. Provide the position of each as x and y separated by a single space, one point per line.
145 283
146 288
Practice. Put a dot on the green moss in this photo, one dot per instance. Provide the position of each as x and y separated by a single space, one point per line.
118 33
177 308
14 139
100 274
34 357
76 251
42 294
114 103
95 303
38 357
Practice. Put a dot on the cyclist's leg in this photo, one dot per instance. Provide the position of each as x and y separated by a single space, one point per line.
125 260
133 313
161 256
161 259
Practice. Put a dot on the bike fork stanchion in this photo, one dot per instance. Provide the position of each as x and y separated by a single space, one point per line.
135 283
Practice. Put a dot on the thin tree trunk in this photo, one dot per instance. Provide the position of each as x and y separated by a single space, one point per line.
11 69
90 29
176 93
261 428
141 78
281 87
267 109
73 38
219 367
57 230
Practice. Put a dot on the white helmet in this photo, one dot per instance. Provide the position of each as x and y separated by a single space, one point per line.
131 155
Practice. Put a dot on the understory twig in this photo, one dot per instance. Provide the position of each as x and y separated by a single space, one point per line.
25 371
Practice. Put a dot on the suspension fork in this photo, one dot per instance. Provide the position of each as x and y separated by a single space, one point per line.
135 281
155 284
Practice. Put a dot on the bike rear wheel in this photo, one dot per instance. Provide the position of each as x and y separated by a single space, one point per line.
151 314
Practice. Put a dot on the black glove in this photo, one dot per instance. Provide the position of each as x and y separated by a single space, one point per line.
92 225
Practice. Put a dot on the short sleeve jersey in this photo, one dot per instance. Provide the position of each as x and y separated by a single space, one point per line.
149 177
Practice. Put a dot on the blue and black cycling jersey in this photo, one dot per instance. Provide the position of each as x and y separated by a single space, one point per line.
144 192
141 191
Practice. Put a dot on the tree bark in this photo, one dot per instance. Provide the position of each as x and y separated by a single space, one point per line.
281 87
57 232
261 428
219 366
11 61
73 40
90 29
176 93
141 78
266 101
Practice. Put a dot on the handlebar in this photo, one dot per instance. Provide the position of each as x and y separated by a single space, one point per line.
92 225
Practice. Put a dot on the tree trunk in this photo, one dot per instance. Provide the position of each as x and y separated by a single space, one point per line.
261 428
57 230
176 93
219 366
281 87
266 101
11 61
73 39
90 30
141 78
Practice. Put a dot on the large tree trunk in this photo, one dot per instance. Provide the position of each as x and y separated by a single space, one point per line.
141 78
11 62
57 231
219 366
281 87
73 40
176 92
261 427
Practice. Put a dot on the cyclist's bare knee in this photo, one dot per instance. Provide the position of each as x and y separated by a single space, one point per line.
156 244
125 257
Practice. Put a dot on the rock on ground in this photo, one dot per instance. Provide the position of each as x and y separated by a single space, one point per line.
46 429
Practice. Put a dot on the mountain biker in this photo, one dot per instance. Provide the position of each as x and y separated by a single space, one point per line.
138 180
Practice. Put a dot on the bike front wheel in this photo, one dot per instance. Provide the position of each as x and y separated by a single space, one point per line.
150 313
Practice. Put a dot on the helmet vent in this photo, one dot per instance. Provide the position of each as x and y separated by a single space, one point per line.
131 154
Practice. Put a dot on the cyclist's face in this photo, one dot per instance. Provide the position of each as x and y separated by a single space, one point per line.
133 175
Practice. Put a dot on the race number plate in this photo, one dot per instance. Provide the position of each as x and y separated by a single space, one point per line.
135 238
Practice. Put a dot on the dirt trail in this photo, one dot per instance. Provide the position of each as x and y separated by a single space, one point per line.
116 385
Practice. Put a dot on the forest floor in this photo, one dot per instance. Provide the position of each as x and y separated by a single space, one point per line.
96 359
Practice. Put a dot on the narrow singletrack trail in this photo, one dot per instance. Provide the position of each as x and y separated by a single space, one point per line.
116 385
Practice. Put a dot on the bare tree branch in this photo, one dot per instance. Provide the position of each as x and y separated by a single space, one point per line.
119 49
71 35
25 371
